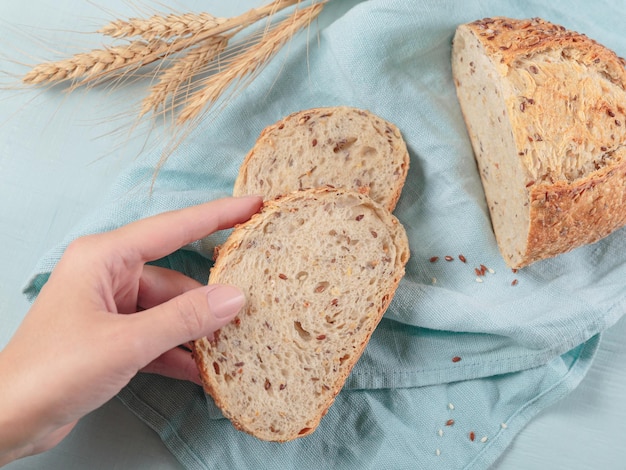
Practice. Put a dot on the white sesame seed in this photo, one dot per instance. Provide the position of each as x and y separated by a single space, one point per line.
503 426
451 406
437 452
440 432
434 280
484 439
491 271
479 279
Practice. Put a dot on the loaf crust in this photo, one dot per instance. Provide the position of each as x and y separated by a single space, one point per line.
313 300
545 109
333 146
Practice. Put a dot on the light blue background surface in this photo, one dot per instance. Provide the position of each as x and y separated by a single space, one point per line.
58 156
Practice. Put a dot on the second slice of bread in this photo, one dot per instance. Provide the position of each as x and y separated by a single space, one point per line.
337 146
318 268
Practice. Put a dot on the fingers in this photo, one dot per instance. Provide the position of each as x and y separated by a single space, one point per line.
176 364
158 285
192 315
155 237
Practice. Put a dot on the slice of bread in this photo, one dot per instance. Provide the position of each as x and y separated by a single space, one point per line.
545 110
337 146
319 268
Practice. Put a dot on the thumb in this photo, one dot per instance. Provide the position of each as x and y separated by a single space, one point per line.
187 317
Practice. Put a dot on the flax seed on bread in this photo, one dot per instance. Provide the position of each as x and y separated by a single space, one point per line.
545 109
337 146
319 268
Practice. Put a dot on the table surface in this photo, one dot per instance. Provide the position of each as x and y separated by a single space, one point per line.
58 156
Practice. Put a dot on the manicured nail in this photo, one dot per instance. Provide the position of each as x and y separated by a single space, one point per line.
225 301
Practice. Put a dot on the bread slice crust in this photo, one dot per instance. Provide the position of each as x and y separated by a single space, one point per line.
545 109
331 146
316 290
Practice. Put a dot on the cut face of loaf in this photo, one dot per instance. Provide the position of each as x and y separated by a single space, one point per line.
338 146
319 268
545 110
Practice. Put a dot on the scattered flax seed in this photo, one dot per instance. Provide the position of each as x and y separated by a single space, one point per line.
456 359
514 282
437 452
451 406
450 422
433 259
462 258
448 258
472 436
483 439
514 270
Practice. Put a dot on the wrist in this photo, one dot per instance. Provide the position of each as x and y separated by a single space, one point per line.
19 429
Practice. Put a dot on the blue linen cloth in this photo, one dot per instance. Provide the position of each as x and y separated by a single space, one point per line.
489 355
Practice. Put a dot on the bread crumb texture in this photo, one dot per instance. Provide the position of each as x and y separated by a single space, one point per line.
545 109
319 269
338 146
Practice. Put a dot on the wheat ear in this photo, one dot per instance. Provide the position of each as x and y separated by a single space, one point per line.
249 62
163 27
89 65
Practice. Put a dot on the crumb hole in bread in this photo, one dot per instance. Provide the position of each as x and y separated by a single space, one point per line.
305 335
269 228
344 144
349 200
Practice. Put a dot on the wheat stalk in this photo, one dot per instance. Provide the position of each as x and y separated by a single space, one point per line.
188 45
88 65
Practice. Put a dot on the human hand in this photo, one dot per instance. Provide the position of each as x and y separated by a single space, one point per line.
103 316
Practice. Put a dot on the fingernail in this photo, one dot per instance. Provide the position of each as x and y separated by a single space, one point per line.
225 301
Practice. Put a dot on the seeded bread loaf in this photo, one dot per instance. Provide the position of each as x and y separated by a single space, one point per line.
319 268
336 146
545 109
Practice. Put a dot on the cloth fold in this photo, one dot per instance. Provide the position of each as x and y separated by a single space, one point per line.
499 350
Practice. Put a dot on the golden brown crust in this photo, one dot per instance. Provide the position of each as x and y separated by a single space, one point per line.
567 215
507 39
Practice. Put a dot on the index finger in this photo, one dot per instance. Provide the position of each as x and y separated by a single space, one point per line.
158 236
